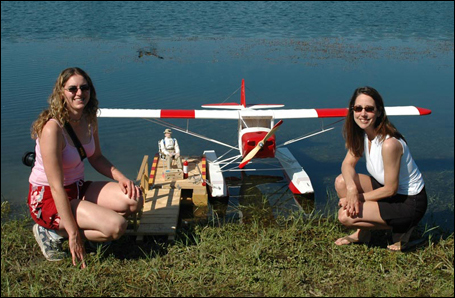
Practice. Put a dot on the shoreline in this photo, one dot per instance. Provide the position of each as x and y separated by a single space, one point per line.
294 257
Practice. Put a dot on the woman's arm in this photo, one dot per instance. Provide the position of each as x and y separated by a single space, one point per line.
350 176
392 151
51 144
100 163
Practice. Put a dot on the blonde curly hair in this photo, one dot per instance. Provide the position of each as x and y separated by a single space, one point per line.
57 104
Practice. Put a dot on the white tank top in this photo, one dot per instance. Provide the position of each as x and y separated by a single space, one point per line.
410 181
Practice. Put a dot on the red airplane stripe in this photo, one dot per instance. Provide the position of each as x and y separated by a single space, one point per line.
243 164
294 189
187 114
324 113
242 94
423 111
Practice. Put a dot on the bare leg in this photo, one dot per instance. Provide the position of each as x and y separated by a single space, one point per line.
97 223
101 214
369 217
363 183
109 195
359 236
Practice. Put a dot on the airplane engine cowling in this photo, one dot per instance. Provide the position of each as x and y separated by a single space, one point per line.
251 139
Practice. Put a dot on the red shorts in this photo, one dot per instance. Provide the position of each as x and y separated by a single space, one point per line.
42 205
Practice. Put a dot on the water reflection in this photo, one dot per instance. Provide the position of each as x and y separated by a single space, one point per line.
255 197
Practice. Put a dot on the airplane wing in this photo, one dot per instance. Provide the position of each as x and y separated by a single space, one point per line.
342 112
235 114
178 114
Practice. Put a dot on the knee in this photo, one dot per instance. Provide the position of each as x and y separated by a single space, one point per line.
138 204
120 230
117 228
340 184
134 206
344 219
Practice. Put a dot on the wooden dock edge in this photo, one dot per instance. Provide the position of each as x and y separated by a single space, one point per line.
143 180
160 212
142 175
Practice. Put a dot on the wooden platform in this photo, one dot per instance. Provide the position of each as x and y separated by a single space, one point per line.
195 180
160 214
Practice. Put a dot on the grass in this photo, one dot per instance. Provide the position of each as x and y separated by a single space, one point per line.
273 257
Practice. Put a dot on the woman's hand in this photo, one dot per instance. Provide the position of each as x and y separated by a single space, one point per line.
77 249
342 203
353 200
129 188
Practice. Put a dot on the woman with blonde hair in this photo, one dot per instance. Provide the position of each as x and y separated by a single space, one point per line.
393 195
61 202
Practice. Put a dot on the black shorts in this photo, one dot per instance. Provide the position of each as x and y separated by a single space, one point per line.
402 212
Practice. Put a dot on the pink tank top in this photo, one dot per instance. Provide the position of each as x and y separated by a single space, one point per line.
73 167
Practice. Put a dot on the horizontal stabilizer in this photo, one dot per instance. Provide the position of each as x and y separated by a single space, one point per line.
229 106
236 106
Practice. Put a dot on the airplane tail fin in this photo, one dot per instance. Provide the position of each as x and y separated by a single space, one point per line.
242 94
242 105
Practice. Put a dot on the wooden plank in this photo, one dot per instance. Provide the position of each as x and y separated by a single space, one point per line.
200 197
143 169
173 174
193 172
161 212
187 184
156 229
163 196
143 183
168 219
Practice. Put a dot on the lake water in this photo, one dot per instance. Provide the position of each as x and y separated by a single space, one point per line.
301 54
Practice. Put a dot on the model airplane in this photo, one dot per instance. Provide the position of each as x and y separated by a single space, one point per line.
256 134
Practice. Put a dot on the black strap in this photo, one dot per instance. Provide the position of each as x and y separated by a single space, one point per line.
76 141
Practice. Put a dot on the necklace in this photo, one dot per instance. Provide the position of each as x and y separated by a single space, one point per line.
76 120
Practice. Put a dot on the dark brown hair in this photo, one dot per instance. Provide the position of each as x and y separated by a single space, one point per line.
354 135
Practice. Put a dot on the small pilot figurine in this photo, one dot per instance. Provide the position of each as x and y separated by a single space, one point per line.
170 148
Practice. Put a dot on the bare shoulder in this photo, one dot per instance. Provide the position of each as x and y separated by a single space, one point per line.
51 128
392 145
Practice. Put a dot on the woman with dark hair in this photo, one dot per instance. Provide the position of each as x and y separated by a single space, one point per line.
61 202
393 195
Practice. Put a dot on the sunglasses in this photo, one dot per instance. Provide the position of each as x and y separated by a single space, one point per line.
73 89
368 109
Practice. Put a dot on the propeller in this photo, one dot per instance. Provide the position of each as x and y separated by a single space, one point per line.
258 147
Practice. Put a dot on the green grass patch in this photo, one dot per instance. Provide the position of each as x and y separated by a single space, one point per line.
273 257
